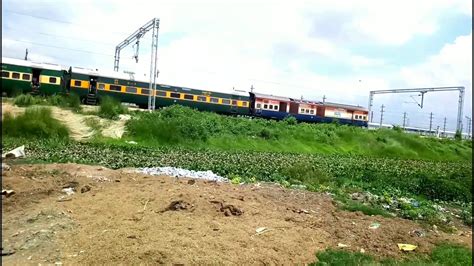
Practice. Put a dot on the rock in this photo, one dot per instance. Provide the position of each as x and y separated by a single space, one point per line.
85 188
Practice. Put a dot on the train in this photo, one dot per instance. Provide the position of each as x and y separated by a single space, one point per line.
22 76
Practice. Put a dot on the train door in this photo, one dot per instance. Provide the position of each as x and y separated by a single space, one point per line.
92 94
35 81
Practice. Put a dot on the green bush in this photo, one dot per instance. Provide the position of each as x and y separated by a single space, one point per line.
451 254
24 100
36 122
66 101
111 108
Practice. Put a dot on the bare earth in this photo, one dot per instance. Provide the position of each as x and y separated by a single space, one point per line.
131 218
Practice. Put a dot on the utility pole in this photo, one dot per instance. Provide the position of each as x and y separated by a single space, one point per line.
469 120
26 54
381 115
324 98
371 116
431 121
404 119
444 127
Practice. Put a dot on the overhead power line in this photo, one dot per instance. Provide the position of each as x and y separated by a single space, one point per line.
64 48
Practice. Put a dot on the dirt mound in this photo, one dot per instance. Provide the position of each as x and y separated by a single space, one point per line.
120 219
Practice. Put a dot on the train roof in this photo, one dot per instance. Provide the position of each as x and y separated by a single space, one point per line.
345 106
271 97
106 74
32 64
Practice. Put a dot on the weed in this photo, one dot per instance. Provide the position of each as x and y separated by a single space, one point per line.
111 108
24 100
342 258
35 122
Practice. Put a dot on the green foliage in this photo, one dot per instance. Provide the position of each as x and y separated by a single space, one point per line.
24 100
178 125
111 108
342 258
290 120
36 122
458 135
355 206
305 173
450 254
71 101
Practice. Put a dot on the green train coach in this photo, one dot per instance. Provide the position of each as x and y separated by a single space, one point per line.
21 76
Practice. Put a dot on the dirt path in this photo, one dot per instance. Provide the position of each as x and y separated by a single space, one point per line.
76 123
130 218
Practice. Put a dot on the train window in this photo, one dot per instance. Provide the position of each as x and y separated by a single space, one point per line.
16 75
307 111
311 112
145 91
189 97
275 107
234 102
214 100
265 106
161 93
101 86
26 76
131 89
365 117
5 74
302 110
115 88
259 105
245 104
174 95
77 83
52 80
225 101
202 98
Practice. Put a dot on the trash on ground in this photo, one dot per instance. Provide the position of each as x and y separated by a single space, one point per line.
131 142
261 230
342 245
406 247
374 226
7 192
179 205
179 172
5 167
228 210
69 191
15 153
362 250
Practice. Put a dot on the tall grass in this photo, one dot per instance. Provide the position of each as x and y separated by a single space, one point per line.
36 122
184 126
66 101
111 108
24 100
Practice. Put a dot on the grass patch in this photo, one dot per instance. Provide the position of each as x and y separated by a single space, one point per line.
71 101
36 122
442 254
183 126
342 258
24 100
111 108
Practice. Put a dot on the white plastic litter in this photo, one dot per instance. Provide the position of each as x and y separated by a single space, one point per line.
179 172
69 191
15 153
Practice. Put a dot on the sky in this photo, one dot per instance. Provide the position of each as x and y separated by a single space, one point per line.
340 50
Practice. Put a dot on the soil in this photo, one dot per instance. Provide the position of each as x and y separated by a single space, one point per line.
123 217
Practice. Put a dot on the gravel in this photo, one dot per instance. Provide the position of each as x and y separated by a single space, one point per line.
179 172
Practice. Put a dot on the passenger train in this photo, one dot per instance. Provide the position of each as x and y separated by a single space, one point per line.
21 76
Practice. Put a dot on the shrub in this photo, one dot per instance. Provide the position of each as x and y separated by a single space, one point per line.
24 100
35 122
111 108
308 174
68 101
290 120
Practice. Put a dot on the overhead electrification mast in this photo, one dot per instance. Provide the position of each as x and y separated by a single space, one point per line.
152 25
422 92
